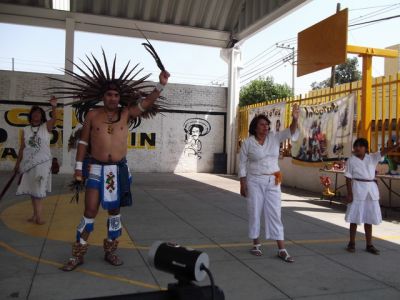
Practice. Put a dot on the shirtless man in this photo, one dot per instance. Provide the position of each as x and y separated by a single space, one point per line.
106 131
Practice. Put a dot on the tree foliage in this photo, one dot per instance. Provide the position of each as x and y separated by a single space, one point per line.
344 73
263 89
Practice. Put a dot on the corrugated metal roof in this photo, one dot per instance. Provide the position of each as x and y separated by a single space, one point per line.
213 22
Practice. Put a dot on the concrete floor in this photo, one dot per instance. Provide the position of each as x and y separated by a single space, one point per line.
205 212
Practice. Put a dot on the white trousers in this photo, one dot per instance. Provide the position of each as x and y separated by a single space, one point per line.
264 196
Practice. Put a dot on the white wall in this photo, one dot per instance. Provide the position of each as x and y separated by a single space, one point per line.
165 150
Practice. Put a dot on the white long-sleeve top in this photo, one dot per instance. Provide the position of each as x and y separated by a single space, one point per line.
256 159
357 168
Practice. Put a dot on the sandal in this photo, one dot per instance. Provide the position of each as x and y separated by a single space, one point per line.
284 255
78 251
109 252
71 264
351 247
372 249
113 259
256 250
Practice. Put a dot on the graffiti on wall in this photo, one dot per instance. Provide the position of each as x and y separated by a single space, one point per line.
195 128
16 118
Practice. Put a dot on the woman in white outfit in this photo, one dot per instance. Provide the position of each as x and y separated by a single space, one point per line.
260 180
34 159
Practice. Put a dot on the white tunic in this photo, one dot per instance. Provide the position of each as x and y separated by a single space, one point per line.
37 147
36 162
357 168
259 159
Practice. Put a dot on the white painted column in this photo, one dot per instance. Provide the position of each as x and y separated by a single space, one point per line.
67 118
233 57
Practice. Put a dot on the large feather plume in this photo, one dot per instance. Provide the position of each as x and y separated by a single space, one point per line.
87 90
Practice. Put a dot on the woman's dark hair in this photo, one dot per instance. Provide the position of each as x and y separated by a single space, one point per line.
361 142
37 108
254 122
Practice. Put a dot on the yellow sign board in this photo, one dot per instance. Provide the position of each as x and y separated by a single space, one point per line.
323 44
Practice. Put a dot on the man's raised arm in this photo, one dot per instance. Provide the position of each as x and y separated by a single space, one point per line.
143 105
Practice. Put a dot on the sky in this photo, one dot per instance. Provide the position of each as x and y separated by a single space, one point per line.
37 49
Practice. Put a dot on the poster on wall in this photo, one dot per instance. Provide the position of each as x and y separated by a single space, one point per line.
274 112
325 131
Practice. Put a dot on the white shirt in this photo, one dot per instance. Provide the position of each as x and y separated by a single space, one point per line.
357 168
256 159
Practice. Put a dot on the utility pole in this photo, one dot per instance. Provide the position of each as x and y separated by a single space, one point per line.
282 46
333 67
12 63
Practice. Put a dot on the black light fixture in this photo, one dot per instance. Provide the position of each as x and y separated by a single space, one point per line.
187 265
184 263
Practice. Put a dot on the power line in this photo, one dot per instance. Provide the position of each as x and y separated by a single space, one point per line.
276 64
261 64
245 82
378 20
375 13
260 54
262 67
370 7
287 41
271 67
257 61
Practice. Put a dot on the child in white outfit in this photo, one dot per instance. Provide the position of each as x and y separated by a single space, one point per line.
362 192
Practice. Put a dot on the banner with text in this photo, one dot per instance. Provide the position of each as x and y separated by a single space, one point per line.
274 112
325 131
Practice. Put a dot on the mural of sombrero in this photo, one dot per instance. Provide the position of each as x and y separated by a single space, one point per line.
204 126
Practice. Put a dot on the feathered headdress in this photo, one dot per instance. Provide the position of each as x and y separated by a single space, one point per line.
88 89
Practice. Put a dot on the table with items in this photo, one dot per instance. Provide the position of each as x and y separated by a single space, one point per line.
386 180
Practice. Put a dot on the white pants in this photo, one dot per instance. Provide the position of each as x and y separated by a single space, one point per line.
264 195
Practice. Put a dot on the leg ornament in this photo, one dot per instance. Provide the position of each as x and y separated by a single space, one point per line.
114 227
83 230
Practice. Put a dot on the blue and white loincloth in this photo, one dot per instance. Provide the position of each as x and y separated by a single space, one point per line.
113 181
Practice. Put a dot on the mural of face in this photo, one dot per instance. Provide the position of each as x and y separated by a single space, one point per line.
195 132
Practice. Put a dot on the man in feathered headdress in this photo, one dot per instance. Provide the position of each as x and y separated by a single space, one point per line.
105 131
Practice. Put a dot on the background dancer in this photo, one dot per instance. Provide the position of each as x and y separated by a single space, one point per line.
260 180
34 159
362 192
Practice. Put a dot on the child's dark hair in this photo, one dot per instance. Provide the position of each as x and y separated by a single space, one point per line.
361 142
37 108
254 122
